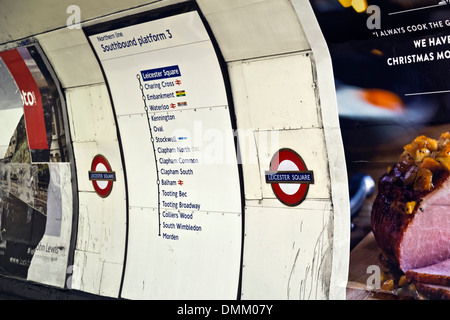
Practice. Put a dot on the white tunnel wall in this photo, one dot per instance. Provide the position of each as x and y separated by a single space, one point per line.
282 97
100 245
27 17
276 96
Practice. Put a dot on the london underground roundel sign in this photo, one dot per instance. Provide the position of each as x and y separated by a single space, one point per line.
289 177
102 176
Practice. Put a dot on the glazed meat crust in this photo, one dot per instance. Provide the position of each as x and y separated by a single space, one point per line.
422 171
389 219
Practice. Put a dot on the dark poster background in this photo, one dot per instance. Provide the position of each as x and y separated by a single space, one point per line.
391 67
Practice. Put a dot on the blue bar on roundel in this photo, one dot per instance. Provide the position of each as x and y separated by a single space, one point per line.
289 177
102 175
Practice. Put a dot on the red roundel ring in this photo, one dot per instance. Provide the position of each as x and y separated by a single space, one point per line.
290 199
102 176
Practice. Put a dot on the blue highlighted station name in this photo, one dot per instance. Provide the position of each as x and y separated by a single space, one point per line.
160 73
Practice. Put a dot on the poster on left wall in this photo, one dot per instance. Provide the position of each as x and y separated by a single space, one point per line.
35 176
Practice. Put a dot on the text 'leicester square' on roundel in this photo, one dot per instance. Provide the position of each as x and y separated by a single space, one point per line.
289 177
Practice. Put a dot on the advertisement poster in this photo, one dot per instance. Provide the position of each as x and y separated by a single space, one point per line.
178 140
391 63
35 179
